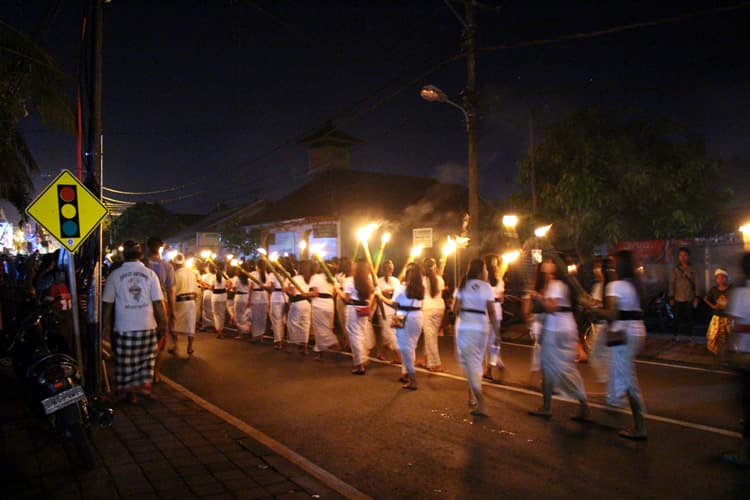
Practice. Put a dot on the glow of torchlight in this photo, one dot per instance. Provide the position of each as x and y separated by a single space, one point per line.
541 232
462 241
510 221
190 262
511 256
230 257
416 251
302 245
205 254
274 256
121 248
449 247
235 262
171 254
385 238
364 233
745 229
262 251
572 268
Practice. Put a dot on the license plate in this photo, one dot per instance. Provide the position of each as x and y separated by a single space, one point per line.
63 399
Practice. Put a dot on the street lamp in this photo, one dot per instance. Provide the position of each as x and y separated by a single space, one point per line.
432 93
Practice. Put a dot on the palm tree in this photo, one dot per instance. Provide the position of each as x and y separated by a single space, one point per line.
30 82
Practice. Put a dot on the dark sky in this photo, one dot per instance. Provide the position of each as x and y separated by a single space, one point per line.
211 96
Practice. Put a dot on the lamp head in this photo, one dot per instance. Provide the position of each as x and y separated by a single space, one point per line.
433 94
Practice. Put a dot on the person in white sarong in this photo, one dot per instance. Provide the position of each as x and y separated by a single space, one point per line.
408 302
241 285
493 355
599 357
219 287
300 310
433 310
474 308
559 345
388 284
278 301
322 313
358 295
622 307
186 288
345 271
207 314
258 302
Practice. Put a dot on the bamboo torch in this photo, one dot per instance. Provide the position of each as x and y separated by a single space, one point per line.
383 242
415 252
448 248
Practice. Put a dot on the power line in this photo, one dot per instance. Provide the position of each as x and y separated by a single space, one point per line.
616 29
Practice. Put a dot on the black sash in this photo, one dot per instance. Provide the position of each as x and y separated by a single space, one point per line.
297 298
185 296
359 303
325 296
475 311
408 308
630 315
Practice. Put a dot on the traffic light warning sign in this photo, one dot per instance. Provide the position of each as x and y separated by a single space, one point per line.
68 210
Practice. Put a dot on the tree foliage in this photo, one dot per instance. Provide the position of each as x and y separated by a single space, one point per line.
604 178
30 82
142 220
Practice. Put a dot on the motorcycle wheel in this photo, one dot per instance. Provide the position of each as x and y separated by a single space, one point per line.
70 423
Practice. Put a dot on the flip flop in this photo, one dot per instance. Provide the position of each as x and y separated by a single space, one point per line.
409 387
541 414
630 434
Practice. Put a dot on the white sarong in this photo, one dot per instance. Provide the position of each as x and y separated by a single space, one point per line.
298 322
184 317
322 324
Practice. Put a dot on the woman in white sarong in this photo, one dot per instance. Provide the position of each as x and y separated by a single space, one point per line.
388 284
300 310
622 306
599 357
358 295
493 355
322 314
559 345
207 314
474 308
258 303
433 310
241 285
276 309
220 286
408 302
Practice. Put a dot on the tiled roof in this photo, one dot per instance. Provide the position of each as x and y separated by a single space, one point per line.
337 193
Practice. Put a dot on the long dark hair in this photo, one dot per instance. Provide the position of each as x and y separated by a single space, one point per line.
491 260
430 270
539 278
305 269
261 267
345 266
362 279
242 275
219 271
473 272
625 268
414 283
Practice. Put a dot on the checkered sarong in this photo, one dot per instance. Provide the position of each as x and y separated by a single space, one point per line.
135 356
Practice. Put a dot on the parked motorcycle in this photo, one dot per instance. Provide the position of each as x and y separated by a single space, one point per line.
52 377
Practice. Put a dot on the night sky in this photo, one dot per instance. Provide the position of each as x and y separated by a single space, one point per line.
211 96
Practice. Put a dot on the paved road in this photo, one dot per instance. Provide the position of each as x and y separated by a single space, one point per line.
392 443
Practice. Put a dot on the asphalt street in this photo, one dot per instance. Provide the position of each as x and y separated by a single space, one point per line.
391 443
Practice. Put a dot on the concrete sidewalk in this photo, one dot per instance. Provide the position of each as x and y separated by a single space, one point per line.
168 447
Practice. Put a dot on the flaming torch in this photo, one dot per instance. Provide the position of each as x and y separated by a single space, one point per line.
318 255
383 242
416 251
448 248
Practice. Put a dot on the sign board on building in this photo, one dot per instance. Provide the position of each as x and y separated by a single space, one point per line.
208 239
422 236
67 210
325 231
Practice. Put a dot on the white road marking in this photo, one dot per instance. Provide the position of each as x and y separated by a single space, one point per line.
655 363
656 418
322 475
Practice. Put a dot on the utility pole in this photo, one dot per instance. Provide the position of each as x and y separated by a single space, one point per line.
470 100
94 359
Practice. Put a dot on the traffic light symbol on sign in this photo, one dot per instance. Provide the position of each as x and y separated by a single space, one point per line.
67 197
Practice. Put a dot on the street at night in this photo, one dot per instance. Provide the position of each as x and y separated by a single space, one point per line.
391 443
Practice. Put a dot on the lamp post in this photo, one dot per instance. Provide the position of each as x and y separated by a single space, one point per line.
432 93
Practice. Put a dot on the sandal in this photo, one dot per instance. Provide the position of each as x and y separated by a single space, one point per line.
633 435
358 371
190 352
541 413
403 379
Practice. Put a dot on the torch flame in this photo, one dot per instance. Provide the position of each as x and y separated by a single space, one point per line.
235 262
364 233
274 256
190 262
541 232
449 247
206 254
302 245
511 256
416 251
262 251
385 238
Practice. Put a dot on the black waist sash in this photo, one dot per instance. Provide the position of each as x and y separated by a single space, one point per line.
325 296
223 290
408 308
564 309
297 298
630 315
475 311
185 296
240 293
360 303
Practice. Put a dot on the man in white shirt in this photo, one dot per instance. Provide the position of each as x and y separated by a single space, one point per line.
134 294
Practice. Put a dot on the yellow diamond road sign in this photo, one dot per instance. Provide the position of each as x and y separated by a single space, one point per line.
67 210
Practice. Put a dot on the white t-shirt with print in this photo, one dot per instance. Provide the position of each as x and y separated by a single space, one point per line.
133 287
475 295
